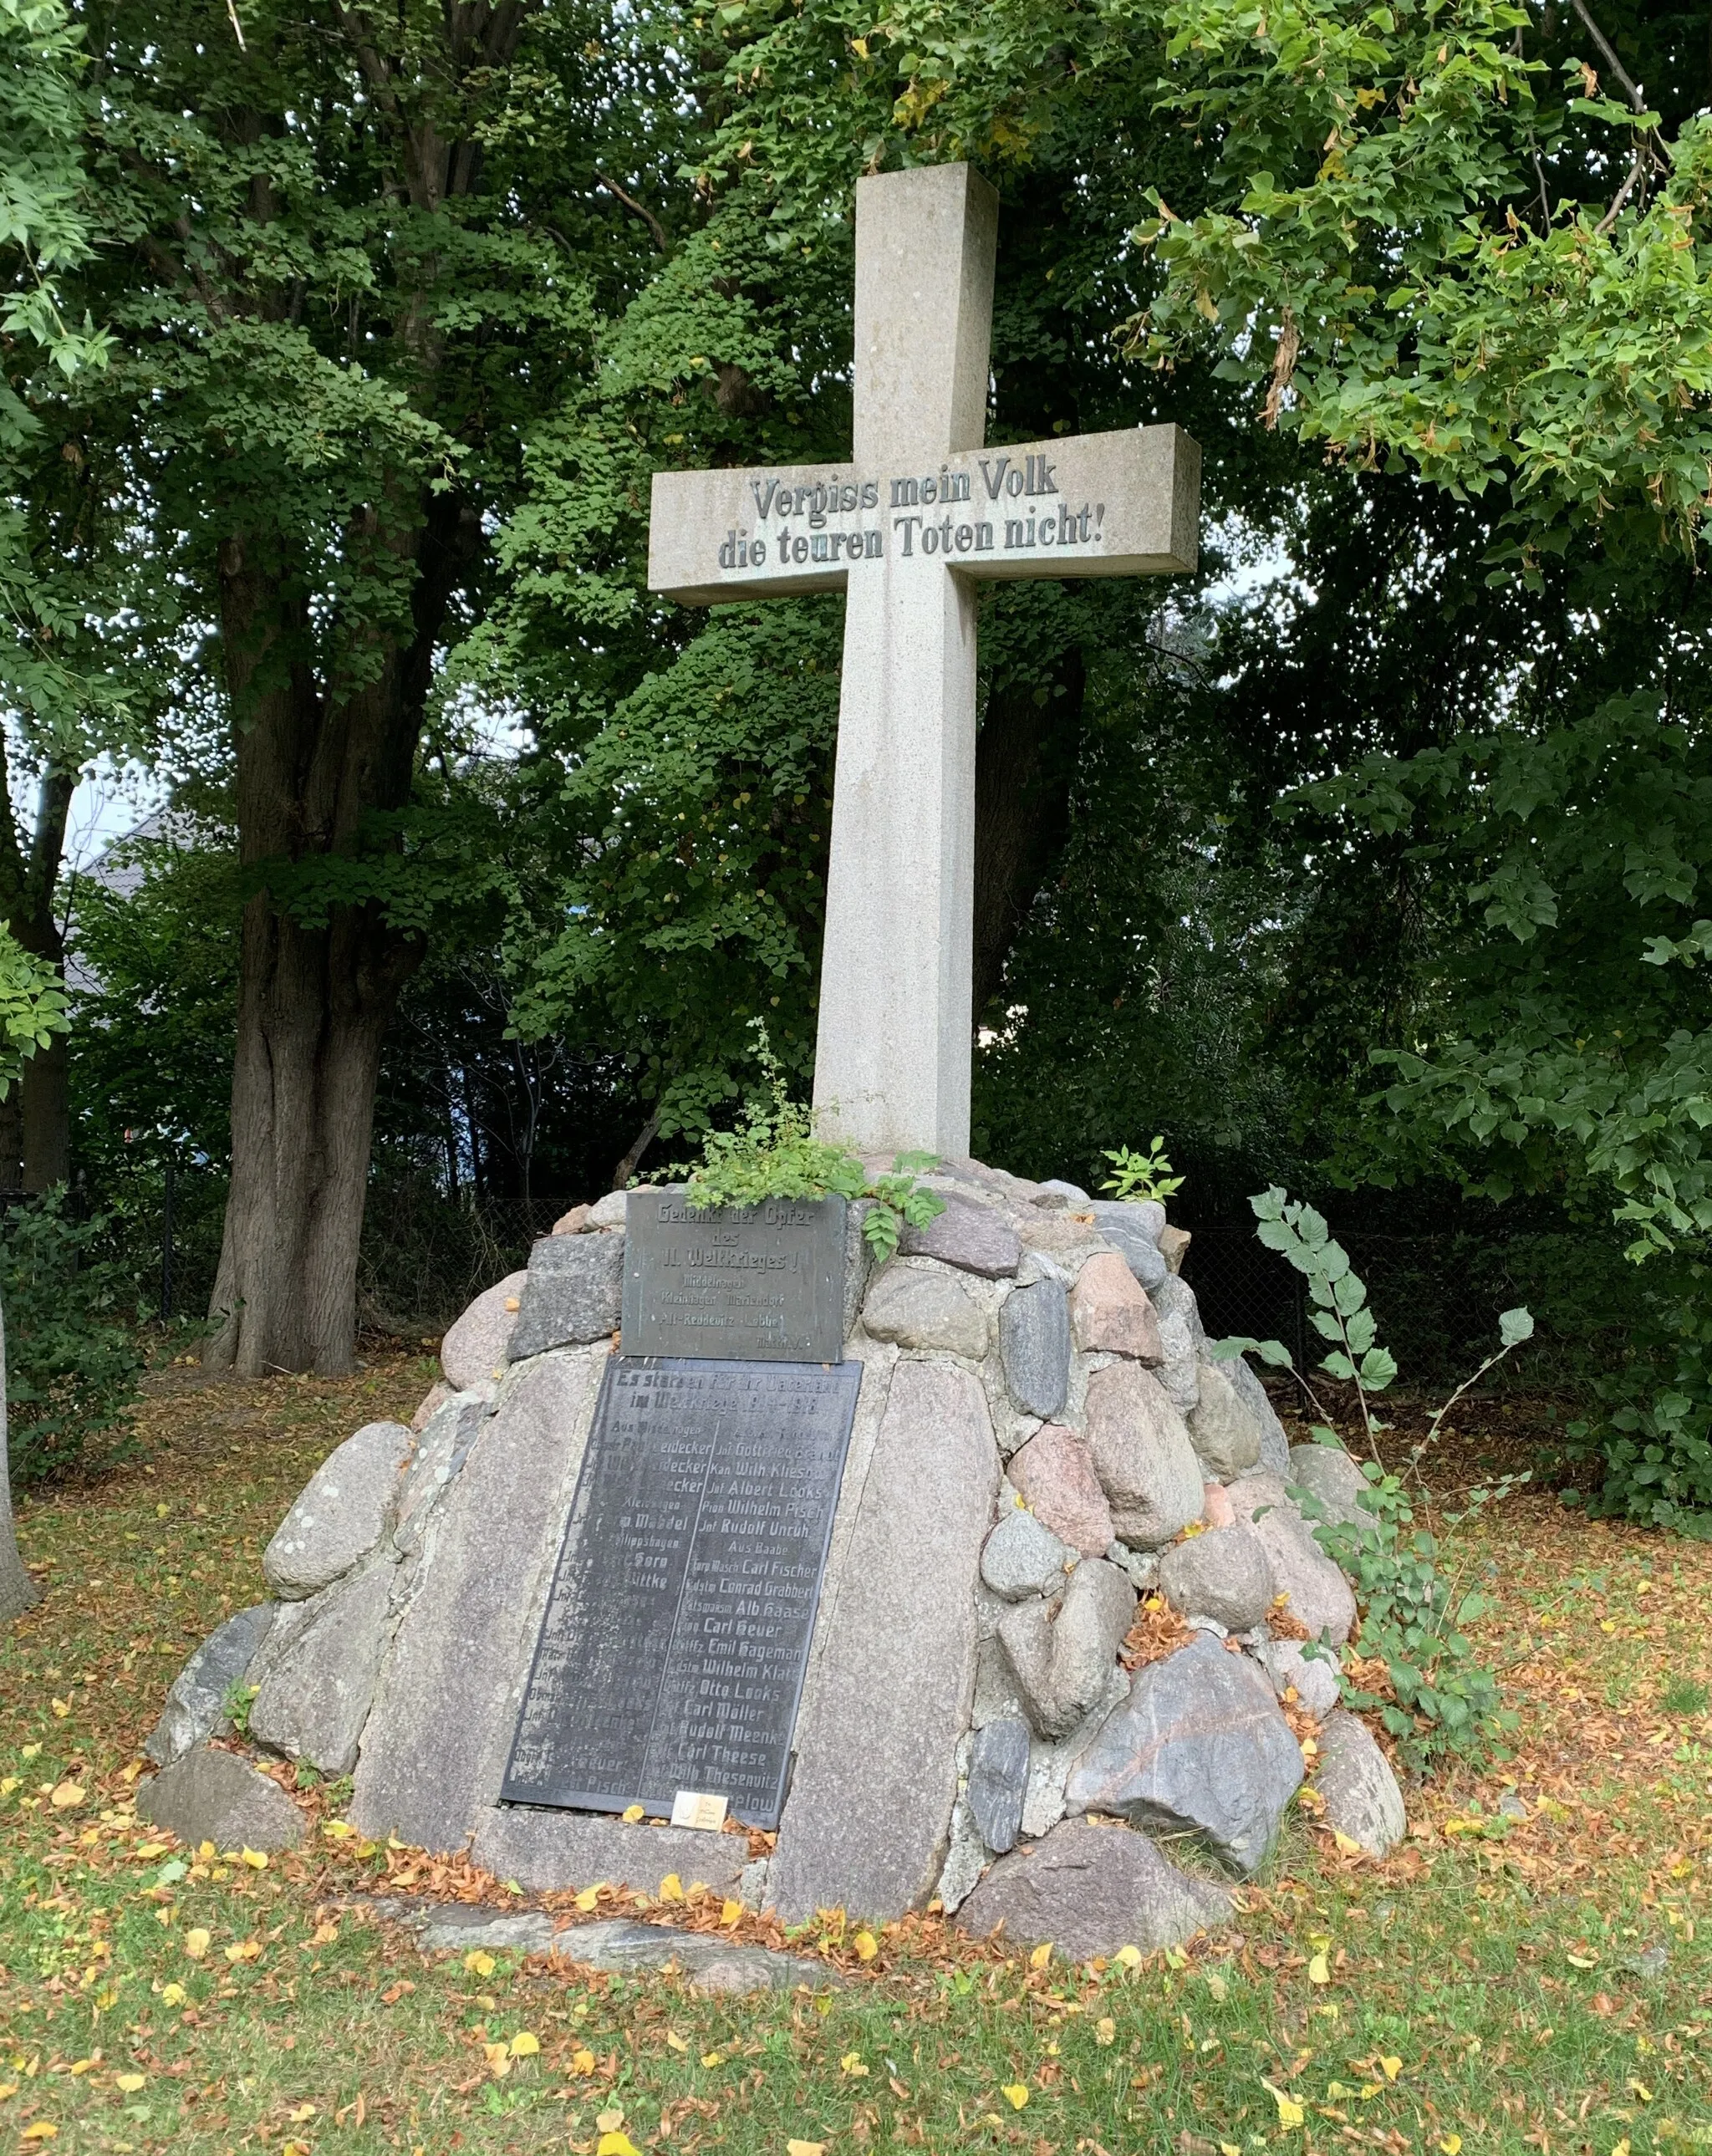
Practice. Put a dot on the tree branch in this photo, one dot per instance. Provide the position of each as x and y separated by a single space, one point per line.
1637 102
648 216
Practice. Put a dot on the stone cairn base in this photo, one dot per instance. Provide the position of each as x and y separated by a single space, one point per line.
1072 1617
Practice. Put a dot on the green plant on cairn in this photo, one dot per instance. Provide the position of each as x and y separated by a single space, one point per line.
1414 1613
774 1153
1141 1174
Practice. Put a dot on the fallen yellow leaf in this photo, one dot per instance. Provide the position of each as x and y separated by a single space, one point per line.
1347 1845
7 2089
42 2130
172 1994
1014 2094
632 1813
1289 2110
197 1942
1130 1957
671 1888
588 1898
676 2042
581 2061
1620 2147
730 1912
255 1860
1641 2091
1105 2030
325 1935
1042 1955
1228 2148
478 1963
1391 2067
805 2149
67 1795
27 1751
610 2119
616 2144
851 2064
525 2044
1319 1970
303 2114
718 2059
247 1950
866 1945
499 2059
1452 2144
131 2083
1582 1961
61 1708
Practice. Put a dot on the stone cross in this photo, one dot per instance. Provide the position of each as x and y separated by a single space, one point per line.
905 530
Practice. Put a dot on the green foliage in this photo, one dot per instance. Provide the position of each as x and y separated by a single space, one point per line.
1445 1700
1651 1431
72 1365
32 1007
773 1152
240 1699
1141 1174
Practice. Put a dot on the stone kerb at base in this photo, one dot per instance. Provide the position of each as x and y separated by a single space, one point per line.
1040 1438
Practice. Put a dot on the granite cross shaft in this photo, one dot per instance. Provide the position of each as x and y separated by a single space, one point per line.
904 529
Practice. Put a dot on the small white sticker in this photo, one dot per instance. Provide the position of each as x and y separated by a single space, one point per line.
695 1808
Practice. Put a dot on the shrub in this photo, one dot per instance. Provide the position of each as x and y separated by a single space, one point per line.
1652 1430
72 1367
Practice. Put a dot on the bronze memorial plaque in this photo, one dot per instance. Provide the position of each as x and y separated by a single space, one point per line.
761 1284
676 1635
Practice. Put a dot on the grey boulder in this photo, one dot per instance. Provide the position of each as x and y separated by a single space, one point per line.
473 1350
1128 1228
1313 1678
1223 1431
214 1796
346 1507
974 1238
1092 1890
1034 1346
921 1305
573 1296
711 1962
313 1703
1315 1592
1275 1445
196 1704
1142 1455
1223 1574
1023 1557
998 1781
1062 1653
1199 1747
1362 1799
1329 1474
1182 1338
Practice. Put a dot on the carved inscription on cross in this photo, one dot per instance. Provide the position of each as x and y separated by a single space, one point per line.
922 510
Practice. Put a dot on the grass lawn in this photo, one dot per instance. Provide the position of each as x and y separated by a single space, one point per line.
1532 1971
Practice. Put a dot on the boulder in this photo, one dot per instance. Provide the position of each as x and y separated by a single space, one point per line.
1312 1679
1034 1346
918 1304
573 1222
1223 1574
611 1211
1181 1341
1222 1429
1023 1557
473 1350
711 1962
1092 1890
1129 1228
1072 1194
1329 1473
1275 1445
196 1704
1063 1652
214 1796
975 1238
346 1507
1174 1247
546 1852
434 1399
1217 1511
996 1698
964 1859
313 1703
998 1781
1110 1315
441 1450
1055 1472
1362 1799
1198 1747
573 1295
887 1698
1317 1593
1142 1455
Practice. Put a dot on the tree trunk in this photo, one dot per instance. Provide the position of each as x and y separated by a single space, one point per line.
35 1128
18 1592
1025 759
46 1114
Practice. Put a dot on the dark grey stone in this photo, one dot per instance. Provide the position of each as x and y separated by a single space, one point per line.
346 1506
1199 1747
1127 1228
1063 1652
1329 1473
867 1820
1222 1573
1362 1799
1034 1344
1092 1890
215 1796
998 1781
923 1306
574 1294
196 1704
1222 1429
975 1238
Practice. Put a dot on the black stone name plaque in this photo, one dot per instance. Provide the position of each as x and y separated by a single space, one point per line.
758 1284
676 1635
